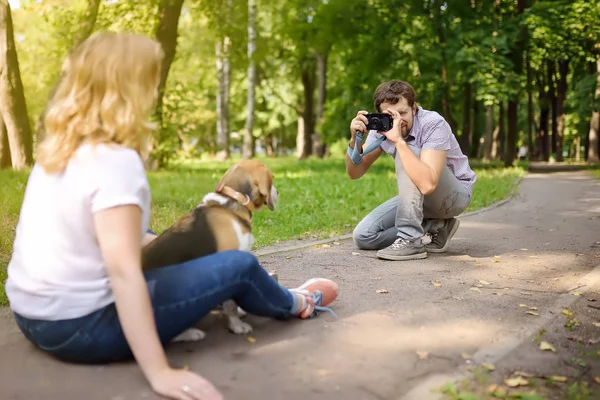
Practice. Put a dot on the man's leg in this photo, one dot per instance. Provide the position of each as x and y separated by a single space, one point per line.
417 214
378 229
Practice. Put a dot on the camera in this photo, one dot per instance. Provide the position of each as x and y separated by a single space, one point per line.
380 122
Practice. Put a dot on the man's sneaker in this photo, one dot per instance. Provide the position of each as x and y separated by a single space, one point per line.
319 293
441 239
403 249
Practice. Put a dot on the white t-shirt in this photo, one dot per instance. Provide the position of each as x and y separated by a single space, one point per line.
56 270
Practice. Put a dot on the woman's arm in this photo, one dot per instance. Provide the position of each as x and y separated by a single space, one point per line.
119 235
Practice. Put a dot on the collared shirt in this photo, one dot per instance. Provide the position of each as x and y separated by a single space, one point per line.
431 131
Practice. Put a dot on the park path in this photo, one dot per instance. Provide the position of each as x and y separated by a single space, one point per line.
536 249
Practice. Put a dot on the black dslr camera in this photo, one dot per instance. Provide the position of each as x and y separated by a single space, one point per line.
380 122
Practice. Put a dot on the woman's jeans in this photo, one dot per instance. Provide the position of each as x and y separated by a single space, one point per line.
181 295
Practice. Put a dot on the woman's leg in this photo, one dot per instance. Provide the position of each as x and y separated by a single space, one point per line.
181 295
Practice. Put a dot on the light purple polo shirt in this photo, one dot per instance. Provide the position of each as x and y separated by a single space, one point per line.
431 131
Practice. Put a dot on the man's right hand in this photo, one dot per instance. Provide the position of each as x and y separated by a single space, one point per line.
359 123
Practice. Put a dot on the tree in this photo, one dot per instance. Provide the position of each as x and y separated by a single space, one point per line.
5 160
13 107
594 132
248 145
166 35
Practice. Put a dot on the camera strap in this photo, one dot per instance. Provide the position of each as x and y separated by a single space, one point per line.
357 157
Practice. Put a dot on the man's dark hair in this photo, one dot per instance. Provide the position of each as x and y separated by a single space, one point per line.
391 92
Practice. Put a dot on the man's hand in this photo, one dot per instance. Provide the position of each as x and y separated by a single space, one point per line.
394 134
359 123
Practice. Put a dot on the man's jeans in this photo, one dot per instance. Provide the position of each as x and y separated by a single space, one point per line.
410 214
181 295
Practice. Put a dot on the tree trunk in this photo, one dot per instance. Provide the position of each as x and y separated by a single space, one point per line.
513 103
85 31
552 99
467 135
269 145
593 154
318 145
166 35
446 110
13 107
561 88
476 128
530 144
248 146
499 135
5 160
308 114
489 134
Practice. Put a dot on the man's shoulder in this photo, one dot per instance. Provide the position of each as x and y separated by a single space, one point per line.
428 117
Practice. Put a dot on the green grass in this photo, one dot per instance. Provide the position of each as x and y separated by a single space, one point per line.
316 198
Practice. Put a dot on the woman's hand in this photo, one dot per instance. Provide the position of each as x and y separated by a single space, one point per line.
183 385
394 134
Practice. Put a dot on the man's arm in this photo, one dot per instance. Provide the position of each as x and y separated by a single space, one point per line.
424 172
359 124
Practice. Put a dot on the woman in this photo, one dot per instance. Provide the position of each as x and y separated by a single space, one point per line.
75 281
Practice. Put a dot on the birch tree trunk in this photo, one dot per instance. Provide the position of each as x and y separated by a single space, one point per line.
5 160
248 146
594 132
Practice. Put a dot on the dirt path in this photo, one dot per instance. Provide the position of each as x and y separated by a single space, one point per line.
535 250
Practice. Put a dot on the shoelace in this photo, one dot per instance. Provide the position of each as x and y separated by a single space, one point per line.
399 243
317 298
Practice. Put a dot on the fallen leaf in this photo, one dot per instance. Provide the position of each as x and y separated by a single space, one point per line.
533 256
567 312
558 378
337 243
484 282
423 355
596 324
524 249
287 257
576 293
597 379
533 308
547 346
381 291
437 284
466 356
518 381
479 265
495 261
355 253
475 289
489 367
318 246
522 305
251 339
532 313
497 391
524 374
326 246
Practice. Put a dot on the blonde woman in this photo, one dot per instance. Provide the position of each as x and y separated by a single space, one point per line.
75 281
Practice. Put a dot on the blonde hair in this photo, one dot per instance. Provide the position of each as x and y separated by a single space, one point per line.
107 90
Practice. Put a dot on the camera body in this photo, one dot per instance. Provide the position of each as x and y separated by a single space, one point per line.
380 122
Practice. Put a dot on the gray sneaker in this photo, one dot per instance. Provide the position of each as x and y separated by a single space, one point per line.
441 239
402 250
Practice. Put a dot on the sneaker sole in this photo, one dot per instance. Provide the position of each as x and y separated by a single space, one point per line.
418 256
450 236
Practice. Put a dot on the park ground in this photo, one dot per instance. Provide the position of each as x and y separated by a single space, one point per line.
512 310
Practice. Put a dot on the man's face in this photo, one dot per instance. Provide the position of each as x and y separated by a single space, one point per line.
406 112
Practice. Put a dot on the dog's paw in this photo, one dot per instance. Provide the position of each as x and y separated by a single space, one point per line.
241 313
190 335
238 327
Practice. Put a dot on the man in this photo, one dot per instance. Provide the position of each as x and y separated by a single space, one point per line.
434 178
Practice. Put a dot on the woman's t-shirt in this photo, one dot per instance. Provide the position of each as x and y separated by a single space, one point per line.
57 270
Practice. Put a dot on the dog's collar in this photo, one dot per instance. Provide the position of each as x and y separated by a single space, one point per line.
241 198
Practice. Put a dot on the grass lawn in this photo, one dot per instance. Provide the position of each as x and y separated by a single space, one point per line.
316 199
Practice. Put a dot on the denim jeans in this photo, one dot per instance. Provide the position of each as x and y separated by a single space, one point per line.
411 214
181 295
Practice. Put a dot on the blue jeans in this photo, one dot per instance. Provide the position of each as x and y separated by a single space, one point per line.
181 295
410 214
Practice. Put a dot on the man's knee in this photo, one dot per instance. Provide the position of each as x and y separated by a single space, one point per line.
363 239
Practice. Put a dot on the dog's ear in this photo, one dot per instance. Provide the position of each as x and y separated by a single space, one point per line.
264 182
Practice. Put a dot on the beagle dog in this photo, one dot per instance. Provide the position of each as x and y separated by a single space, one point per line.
222 221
